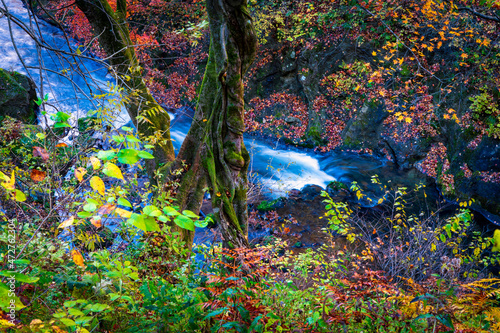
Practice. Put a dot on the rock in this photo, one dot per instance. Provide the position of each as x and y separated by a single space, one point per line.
293 121
17 97
310 192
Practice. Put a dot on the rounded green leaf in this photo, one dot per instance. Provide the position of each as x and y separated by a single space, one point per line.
128 156
106 155
151 211
184 222
170 211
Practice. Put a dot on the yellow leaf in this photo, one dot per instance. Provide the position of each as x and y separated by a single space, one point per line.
382 93
97 185
9 182
77 258
496 238
112 170
380 201
433 247
19 196
123 213
96 163
408 120
374 53
5 323
67 223
79 173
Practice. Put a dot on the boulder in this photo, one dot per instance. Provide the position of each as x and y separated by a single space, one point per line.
17 97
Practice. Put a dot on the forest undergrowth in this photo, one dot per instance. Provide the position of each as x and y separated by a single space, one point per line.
114 265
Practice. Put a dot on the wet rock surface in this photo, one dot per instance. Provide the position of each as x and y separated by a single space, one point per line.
17 97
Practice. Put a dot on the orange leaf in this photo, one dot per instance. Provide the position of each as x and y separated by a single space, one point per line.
37 175
77 258
96 221
41 152
106 209
62 144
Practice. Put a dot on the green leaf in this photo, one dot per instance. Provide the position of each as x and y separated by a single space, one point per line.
215 313
98 307
6 297
443 238
151 211
184 222
190 214
124 202
83 320
170 211
22 262
202 223
70 304
84 215
127 129
128 156
118 138
106 155
131 138
144 223
68 322
41 136
60 125
19 196
163 218
20 277
92 201
90 207
76 312
145 154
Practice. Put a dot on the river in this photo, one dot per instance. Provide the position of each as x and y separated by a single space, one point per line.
69 82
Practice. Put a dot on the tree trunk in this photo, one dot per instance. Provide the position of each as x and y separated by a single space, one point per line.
151 120
213 149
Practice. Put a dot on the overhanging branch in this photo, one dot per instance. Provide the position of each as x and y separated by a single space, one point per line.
483 16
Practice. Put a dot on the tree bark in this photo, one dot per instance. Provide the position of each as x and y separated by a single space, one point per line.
151 120
214 148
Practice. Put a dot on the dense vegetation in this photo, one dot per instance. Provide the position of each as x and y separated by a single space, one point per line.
94 238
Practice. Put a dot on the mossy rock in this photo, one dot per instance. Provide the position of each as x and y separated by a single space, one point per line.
17 97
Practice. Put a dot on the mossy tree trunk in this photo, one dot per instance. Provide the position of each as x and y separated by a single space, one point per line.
232 49
213 149
150 119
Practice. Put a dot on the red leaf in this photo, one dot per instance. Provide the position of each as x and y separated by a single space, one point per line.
41 152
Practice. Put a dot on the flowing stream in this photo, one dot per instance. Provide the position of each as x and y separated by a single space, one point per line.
278 167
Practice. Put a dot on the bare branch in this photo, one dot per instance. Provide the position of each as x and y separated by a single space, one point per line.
483 16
